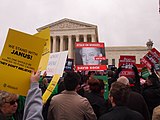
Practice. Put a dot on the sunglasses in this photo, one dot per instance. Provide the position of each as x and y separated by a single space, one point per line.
12 102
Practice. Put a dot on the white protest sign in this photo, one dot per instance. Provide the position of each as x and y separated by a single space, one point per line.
56 63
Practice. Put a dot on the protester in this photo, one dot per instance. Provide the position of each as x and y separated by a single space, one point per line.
135 100
84 87
123 80
43 82
43 86
95 97
69 105
8 105
33 104
110 78
136 80
91 74
151 92
118 98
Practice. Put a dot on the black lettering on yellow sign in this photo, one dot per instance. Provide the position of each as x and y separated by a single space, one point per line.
21 54
23 69
4 63
12 87
14 66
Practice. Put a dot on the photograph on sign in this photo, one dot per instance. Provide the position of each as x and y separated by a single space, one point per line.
90 56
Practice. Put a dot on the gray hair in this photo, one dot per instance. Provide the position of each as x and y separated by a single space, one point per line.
5 96
123 80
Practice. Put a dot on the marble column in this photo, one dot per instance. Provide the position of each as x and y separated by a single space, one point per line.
61 43
70 47
77 38
93 38
54 44
85 38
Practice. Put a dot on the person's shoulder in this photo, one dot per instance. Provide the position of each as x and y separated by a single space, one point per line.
134 114
82 98
83 101
136 94
56 97
106 116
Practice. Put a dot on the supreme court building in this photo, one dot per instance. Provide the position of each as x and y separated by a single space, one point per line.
64 33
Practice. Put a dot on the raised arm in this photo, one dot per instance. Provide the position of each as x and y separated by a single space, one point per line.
33 103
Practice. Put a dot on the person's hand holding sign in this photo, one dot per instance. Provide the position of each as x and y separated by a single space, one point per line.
35 76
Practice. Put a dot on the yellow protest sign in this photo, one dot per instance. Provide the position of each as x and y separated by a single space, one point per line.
45 34
21 54
50 87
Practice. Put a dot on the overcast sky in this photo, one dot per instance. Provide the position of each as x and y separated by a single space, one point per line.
120 22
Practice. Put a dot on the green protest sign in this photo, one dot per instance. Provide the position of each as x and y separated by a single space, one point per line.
105 80
145 73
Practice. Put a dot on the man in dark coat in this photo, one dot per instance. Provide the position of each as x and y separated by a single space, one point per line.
135 100
118 97
151 92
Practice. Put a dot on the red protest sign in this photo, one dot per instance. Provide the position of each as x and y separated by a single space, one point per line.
139 67
90 56
152 58
127 63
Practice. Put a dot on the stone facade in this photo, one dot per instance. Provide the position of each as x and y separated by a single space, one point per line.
65 32
113 53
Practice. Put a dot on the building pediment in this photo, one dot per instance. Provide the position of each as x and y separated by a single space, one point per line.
66 24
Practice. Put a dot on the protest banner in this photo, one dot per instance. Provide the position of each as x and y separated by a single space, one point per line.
127 63
45 34
55 68
18 59
90 56
106 89
152 58
50 88
139 67
145 73
56 63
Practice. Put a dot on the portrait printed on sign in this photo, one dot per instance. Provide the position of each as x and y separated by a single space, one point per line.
90 56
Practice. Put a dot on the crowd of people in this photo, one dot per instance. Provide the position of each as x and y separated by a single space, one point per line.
78 96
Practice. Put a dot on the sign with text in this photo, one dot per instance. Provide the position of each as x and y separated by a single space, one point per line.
152 58
139 67
127 63
106 89
56 63
90 56
50 88
45 34
18 59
